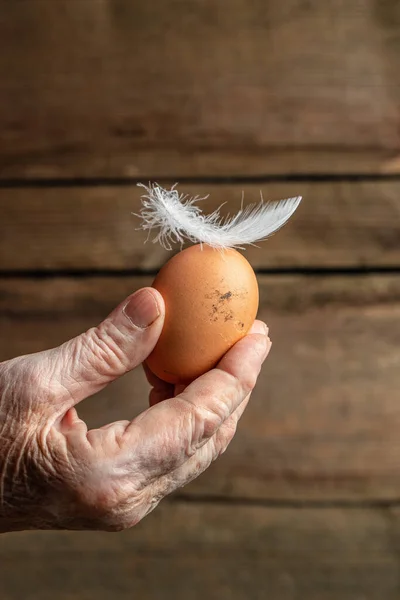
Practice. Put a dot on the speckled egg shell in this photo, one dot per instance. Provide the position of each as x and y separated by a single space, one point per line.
211 300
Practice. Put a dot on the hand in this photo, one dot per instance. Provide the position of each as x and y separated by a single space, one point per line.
55 474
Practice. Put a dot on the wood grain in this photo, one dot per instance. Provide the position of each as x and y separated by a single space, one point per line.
337 225
108 89
324 419
189 552
95 88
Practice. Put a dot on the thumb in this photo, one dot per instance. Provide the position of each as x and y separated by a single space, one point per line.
87 363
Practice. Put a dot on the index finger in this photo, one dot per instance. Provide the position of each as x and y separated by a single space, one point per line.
167 434
162 391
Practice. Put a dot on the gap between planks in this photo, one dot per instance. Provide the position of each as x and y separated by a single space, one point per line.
43 182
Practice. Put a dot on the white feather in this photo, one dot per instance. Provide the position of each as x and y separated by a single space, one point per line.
178 218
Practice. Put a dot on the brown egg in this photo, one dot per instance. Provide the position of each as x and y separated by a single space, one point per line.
211 299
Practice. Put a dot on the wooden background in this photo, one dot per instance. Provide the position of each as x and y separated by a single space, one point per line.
290 97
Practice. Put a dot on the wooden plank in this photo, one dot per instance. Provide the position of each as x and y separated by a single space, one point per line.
189 552
337 225
95 88
324 419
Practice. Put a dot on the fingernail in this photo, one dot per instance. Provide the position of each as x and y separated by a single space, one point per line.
262 345
268 347
142 309
259 327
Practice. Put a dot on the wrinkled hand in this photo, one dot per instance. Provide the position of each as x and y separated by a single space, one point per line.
55 474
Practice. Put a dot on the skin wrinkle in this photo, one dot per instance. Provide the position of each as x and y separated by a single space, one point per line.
119 510
55 474
15 475
167 484
211 426
202 423
172 453
8 431
71 357
63 383
106 351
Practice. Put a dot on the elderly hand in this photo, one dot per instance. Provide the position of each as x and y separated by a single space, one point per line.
55 474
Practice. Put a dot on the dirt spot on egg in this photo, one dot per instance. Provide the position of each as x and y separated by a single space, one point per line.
220 306
226 296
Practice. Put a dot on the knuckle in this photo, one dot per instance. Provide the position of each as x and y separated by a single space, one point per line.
241 383
208 420
105 353
237 386
247 382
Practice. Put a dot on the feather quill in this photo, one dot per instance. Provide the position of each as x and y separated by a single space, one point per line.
179 218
